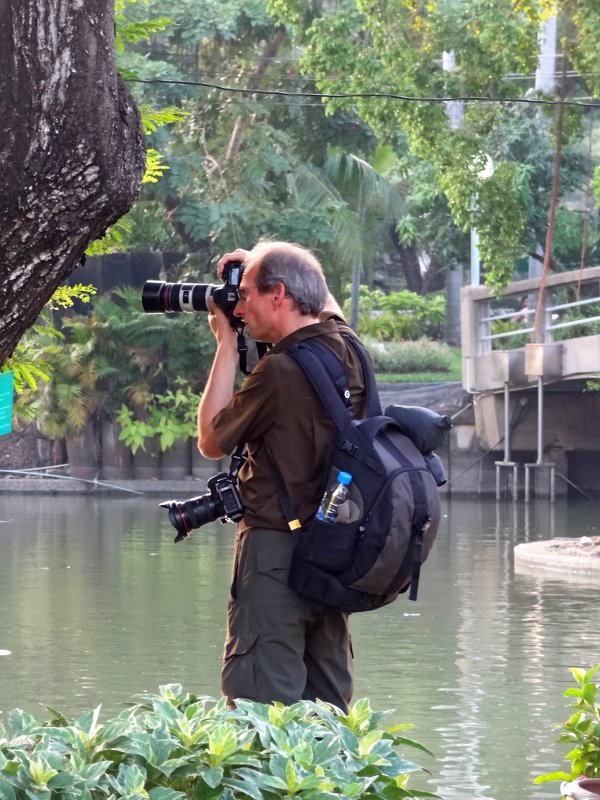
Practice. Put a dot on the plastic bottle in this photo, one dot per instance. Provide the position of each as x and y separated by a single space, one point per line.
334 497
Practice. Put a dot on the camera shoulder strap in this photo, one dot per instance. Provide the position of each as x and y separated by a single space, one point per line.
242 349
237 461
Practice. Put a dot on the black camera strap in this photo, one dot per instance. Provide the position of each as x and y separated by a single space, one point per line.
242 349
237 461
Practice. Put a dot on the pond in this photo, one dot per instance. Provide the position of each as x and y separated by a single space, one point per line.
99 604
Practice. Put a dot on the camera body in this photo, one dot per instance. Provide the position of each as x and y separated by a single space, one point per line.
222 501
159 296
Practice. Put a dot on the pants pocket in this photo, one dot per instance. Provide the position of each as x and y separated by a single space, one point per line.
238 676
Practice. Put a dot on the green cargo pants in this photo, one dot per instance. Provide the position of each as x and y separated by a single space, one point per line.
280 646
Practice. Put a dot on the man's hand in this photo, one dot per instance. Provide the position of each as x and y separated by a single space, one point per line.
237 255
220 325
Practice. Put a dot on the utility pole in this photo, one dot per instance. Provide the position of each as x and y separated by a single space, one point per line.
455 110
545 81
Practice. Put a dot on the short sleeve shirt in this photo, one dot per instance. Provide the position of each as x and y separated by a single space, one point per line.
278 415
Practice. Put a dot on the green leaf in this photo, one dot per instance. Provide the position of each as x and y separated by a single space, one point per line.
164 793
21 722
132 779
552 776
589 693
578 674
212 776
6 790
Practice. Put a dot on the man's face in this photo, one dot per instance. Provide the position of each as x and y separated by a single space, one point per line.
254 308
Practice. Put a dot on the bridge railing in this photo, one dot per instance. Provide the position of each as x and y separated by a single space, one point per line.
494 350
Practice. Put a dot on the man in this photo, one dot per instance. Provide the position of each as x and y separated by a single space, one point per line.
279 646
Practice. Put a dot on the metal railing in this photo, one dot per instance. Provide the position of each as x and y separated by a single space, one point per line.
553 313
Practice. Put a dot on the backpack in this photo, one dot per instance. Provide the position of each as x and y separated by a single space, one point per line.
374 550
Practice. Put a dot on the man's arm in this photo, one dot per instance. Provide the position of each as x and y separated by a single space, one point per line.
219 387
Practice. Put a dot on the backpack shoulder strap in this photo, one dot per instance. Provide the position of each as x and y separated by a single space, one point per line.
319 363
326 373
373 405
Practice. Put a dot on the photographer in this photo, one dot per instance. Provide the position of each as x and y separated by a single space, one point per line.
279 647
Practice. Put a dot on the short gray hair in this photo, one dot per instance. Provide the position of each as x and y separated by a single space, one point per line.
296 268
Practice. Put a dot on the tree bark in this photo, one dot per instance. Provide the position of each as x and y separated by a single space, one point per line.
71 146
409 258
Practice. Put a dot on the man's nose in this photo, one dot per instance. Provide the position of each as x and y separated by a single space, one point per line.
237 311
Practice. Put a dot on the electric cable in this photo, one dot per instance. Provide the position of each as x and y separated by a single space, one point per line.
367 95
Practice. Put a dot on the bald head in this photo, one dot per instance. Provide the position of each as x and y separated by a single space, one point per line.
293 266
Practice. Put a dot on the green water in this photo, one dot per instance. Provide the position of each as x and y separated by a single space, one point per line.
98 604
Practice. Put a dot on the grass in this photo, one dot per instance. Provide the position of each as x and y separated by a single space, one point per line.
453 372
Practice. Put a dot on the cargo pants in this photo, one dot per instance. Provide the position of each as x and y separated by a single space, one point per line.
280 647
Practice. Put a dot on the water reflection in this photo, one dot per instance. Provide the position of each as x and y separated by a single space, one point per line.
98 604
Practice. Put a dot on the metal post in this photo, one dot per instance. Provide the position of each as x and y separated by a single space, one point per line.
551 467
474 257
507 463
540 420
506 422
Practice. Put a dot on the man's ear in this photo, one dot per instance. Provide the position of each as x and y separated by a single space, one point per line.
278 294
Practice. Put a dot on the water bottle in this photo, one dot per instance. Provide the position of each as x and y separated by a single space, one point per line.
334 497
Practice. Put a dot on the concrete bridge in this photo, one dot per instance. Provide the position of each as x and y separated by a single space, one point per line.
536 393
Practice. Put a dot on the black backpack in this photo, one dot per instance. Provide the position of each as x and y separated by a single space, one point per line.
393 509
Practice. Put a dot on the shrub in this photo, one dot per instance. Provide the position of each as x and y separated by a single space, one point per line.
422 355
400 315
582 730
174 745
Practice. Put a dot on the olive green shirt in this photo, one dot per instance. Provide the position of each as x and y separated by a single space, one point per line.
277 410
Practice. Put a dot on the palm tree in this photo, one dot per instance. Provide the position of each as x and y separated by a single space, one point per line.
364 207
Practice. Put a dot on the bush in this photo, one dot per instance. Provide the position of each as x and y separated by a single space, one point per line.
422 355
581 731
174 745
400 315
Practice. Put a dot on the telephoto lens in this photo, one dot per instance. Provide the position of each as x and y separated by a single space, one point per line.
158 296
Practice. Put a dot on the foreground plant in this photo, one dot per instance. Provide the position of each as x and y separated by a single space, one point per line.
581 730
175 745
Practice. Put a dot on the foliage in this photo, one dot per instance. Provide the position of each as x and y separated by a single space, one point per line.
65 296
168 417
28 364
400 315
513 327
581 731
29 361
419 356
175 745
119 356
579 314
133 31
240 165
394 48
112 240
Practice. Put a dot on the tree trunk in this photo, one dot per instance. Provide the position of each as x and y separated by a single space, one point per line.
237 135
71 146
409 258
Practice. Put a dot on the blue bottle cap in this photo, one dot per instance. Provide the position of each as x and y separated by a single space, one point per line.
345 478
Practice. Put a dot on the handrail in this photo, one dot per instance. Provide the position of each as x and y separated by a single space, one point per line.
531 287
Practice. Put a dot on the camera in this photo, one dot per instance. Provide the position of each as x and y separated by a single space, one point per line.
222 501
158 296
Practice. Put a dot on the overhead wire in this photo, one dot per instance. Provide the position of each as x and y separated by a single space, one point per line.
369 95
